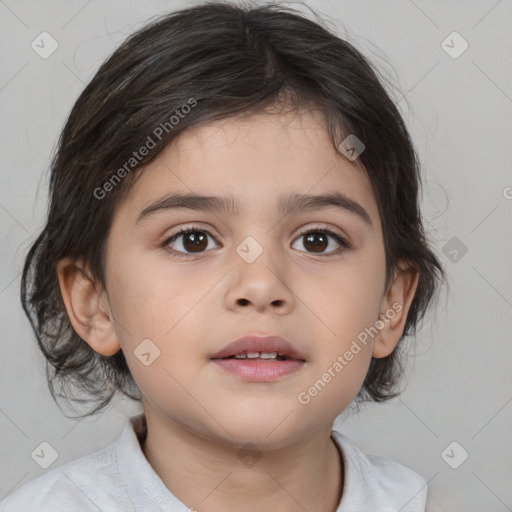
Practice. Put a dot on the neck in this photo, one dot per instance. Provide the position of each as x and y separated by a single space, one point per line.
209 475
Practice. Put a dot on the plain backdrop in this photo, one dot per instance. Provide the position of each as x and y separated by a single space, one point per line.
458 108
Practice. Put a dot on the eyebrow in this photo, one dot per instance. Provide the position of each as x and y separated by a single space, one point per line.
228 204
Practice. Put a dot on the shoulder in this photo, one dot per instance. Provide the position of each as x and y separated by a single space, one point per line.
378 483
86 483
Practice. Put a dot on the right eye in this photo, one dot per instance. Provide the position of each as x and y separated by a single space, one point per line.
193 239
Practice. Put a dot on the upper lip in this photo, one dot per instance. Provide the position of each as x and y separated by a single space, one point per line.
255 343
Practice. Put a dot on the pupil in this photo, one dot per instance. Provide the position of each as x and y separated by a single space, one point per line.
197 239
317 245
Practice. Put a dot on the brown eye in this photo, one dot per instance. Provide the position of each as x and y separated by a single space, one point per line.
318 240
189 241
195 241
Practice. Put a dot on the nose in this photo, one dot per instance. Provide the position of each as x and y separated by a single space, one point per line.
261 283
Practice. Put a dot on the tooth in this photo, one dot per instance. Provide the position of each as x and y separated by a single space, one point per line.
268 355
240 356
253 355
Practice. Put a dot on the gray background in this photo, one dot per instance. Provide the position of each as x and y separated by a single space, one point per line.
459 111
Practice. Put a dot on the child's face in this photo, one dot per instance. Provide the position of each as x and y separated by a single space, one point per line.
191 307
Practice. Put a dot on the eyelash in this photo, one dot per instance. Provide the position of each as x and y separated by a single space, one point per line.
339 239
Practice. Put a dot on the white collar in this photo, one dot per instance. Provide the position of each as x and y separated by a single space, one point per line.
371 483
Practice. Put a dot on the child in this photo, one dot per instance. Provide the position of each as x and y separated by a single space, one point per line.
234 239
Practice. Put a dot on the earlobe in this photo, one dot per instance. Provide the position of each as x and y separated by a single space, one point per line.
87 307
395 306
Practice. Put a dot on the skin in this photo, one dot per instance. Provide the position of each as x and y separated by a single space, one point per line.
198 415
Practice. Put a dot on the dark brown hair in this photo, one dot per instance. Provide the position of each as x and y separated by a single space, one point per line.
224 60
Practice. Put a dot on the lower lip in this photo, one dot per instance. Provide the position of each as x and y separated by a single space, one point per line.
259 371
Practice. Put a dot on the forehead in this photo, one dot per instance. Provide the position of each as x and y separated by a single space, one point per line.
255 160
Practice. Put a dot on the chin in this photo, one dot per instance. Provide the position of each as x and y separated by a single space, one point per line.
268 433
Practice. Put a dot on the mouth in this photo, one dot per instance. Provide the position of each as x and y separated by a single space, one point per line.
259 359
260 347
259 356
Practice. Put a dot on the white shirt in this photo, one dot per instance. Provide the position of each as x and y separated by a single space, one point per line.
119 478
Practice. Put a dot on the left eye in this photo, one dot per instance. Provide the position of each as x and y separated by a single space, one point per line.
195 241
318 240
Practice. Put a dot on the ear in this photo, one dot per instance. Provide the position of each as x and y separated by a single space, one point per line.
394 307
87 307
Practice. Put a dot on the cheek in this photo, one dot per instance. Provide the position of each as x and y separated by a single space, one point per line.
150 299
343 307
335 383
152 303
343 299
